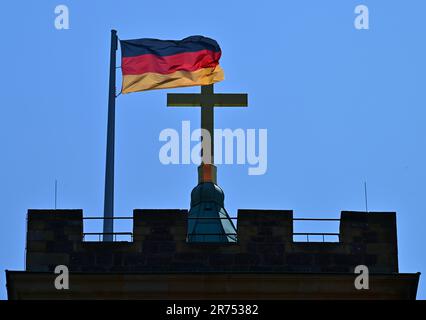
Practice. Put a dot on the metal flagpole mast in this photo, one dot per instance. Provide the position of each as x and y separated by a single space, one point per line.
109 169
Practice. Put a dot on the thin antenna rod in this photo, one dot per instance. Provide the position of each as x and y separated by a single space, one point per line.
56 193
365 195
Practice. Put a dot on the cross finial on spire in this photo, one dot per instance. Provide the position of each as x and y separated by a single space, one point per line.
207 100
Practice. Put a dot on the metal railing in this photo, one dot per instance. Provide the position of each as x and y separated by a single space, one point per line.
309 235
322 235
106 218
99 235
316 219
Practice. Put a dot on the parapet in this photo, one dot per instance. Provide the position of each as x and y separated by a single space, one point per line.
264 244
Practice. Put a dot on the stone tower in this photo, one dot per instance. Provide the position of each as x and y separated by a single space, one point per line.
159 262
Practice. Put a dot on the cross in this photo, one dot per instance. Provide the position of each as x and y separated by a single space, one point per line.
207 100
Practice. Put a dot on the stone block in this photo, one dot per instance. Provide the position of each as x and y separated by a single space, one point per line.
221 260
38 259
40 235
37 246
82 259
299 259
104 259
248 259
58 247
167 247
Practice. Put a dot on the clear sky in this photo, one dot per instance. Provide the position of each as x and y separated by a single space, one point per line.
342 106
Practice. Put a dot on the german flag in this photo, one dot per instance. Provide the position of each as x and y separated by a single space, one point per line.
149 64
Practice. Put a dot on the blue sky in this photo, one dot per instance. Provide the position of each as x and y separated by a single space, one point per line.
341 106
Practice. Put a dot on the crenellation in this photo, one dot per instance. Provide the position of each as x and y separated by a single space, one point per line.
265 242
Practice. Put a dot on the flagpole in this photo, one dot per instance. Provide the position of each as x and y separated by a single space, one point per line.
108 226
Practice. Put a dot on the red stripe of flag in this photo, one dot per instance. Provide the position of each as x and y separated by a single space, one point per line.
187 61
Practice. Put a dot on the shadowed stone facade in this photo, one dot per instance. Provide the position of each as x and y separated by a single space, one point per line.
265 247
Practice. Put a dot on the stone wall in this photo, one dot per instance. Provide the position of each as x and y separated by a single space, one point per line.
265 244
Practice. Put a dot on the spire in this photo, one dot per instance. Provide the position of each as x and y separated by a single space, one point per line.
208 220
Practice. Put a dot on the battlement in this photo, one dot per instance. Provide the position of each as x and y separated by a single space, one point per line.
265 244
